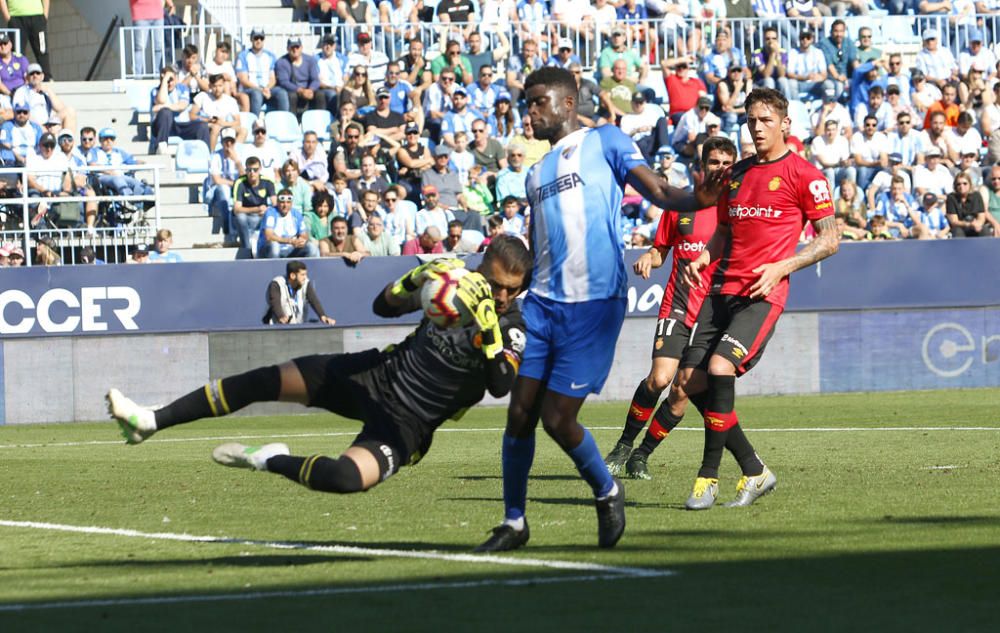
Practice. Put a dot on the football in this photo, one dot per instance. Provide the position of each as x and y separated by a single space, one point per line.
439 302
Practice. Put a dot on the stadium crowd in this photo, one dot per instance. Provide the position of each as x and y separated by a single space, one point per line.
427 151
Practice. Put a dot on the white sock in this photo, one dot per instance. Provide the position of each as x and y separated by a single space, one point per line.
517 524
613 492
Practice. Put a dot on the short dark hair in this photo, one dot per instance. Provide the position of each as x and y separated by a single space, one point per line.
769 97
876 90
512 254
717 143
552 76
87 129
338 218
294 266
216 77
964 118
251 161
224 45
455 223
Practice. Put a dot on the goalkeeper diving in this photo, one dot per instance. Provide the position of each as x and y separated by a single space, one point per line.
401 394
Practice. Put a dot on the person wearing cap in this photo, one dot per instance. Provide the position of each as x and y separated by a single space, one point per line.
67 145
882 182
564 56
616 91
119 181
504 121
647 126
270 152
171 114
841 55
367 57
13 67
48 178
832 110
19 136
224 168
43 100
896 105
140 254
331 71
445 181
976 52
459 119
30 17
807 69
255 73
283 231
936 62
692 123
413 157
934 220
933 176
161 253
636 68
298 75
222 64
218 110
722 56
453 60
383 123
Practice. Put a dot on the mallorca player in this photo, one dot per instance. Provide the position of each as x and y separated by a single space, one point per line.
576 302
402 393
687 234
762 211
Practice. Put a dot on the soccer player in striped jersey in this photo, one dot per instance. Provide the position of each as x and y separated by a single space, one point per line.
764 206
687 234
576 301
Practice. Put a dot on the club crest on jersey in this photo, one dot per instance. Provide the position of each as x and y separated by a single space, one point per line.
566 153
774 184
734 185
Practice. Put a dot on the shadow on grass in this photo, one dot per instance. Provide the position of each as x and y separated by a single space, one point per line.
257 560
941 520
530 478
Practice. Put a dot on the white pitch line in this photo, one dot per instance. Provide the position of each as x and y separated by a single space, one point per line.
216 438
342 549
307 593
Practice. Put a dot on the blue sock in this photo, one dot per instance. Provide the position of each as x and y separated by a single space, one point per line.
591 465
518 454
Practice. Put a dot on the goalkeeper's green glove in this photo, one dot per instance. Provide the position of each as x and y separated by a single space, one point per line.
489 325
413 280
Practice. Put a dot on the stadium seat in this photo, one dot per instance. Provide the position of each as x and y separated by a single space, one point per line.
247 119
192 157
283 127
138 98
317 121
798 112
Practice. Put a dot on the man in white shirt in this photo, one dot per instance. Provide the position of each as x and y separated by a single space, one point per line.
935 61
976 52
331 71
933 177
367 57
224 169
647 126
876 107
47 175
272 156
312 161
42 100
871 151
831 152
692 123
832 110
963 138
807 68
218 110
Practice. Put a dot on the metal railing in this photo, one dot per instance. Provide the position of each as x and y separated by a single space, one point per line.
110 237
15 37
229 14
143 51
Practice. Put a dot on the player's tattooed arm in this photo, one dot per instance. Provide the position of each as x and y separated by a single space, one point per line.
826 243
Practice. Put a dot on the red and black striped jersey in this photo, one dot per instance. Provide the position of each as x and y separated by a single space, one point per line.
687 233
766 206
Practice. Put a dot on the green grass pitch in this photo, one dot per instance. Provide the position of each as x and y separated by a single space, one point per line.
886 518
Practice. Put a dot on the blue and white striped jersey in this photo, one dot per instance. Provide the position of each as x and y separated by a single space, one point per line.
575 192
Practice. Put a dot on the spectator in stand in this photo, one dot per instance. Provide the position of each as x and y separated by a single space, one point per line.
347 157
831 153
896 105
906 142
722 57
457 242
364 212
505 121
31 18
400 94
494 227
831 110
564 57
969 165
647 126
413 158
302 191
331 71
397 19
340 124
513 220
990 192
923 94
374 61
312 161
13 67
841 56
616 92
933 177
876 107
253 195
67 145
871 151
636 68
369 180
415 69
807 71
401 215
483 93
850 205
459 119
896 77
319 218
140 255
147 17
42 100
477 197
224 169
47 177
897 206
298 75
947 104
357 89
963 138
533 19
171 114
19 137
865 77
511 179
933 219
121 182
268 152
255 72
383 123
453 60
88 140
161 253
190 71
433 213
321 11
520 66
587 102
428 243
488 151
283 231
729 97
221 64
690 125
340 243
965 210
936 62
574 18
438 102
976 52
683 85
477 55
218 111
534 148
357 15
973 88
288 298
462 160
769 64
375 241
934 136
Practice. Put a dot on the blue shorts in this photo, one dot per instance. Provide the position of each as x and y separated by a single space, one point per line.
571 346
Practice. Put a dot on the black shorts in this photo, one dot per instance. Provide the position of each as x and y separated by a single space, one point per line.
671 337
342 383
736 328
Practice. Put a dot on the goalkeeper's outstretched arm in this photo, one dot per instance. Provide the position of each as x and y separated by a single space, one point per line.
403 295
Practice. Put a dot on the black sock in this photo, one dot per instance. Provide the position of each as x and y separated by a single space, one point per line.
288 465
698 400
663 423
719 418
738 444
319 472
639 412
221 397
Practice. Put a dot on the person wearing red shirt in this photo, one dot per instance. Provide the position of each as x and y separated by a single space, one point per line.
683 85
763 208
426 243
687 233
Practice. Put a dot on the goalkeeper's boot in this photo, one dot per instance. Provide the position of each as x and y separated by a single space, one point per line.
703 496
617 457
749 489
505 538
611 517
242 456
636 466
136 423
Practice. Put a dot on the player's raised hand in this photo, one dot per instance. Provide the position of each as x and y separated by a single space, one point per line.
691 274
413 280
472 290
708 187
770 276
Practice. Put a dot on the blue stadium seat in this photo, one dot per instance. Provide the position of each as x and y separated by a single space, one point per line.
283 127
138 98
798 112
317 121
192 157
247 119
